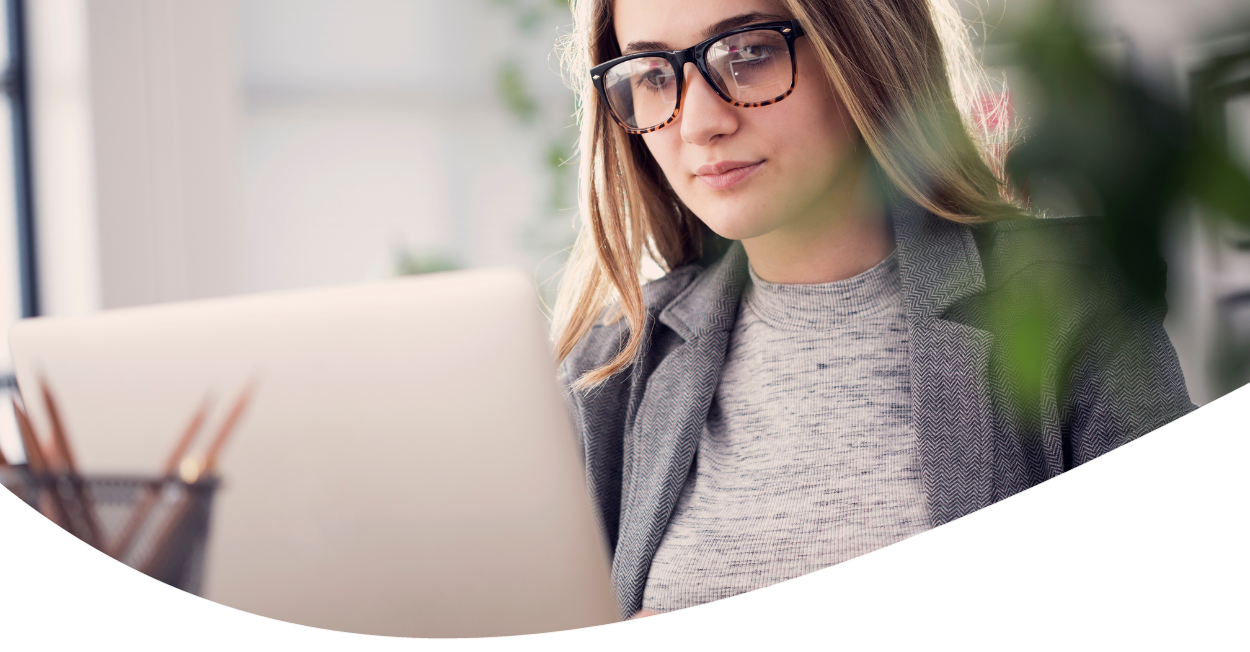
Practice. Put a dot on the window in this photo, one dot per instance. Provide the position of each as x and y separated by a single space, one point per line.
17 280
18 297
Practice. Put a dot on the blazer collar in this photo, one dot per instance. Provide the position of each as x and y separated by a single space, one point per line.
938 261
710 302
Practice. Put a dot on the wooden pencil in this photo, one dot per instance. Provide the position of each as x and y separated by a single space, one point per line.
227 428
51 504
60 441
162 548
181 510
188 437
30 443
121 548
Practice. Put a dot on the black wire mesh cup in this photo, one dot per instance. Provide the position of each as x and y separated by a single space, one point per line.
156 525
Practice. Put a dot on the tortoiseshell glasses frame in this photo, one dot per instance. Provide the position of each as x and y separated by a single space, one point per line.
697 54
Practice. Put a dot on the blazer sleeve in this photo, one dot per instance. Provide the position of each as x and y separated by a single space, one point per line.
597 414
1123 378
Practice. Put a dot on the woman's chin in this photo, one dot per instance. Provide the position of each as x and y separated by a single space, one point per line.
738 227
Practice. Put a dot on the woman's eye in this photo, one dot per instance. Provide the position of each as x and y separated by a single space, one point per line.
754 52
654 79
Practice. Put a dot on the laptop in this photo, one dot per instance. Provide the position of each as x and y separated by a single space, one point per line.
406 465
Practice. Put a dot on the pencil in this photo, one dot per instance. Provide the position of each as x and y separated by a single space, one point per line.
30 444
61 445
148 500
227 428
161 549
163 546
59 440
51 506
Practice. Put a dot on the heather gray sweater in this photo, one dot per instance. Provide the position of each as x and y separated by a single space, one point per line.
808 457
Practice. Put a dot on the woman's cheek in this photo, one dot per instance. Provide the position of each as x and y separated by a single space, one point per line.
665 151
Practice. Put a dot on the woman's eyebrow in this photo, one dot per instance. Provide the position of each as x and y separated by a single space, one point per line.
712 30
644 46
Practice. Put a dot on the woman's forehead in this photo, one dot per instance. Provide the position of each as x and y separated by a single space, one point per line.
678 24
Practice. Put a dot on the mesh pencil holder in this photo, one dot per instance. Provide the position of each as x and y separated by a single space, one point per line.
156 525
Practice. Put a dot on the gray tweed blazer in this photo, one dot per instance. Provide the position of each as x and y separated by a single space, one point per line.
1109 375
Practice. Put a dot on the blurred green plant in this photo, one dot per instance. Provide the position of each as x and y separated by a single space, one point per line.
551 232
1108 132
1141 154
516 96
408 262
1225 77
529 14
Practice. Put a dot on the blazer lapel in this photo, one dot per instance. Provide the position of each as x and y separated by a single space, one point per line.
951 405
671 416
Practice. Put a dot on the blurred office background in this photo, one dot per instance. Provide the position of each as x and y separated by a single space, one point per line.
180 150
199 148
183 149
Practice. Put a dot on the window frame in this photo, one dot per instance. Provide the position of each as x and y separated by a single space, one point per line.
15 84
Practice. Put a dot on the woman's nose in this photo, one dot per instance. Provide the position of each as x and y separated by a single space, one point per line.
704 115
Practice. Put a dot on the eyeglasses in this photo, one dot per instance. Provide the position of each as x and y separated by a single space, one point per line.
747 67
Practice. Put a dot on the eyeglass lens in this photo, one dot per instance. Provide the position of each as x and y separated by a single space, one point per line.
642 92
748 67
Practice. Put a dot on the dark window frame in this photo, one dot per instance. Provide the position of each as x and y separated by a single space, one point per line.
16 88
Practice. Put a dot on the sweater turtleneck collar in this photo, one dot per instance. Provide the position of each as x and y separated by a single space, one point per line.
826 305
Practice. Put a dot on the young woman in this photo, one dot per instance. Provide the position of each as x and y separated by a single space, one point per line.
831 363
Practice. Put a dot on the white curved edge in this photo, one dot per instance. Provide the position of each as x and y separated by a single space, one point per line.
1145 546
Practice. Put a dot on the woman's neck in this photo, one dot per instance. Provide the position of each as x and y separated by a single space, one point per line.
844 235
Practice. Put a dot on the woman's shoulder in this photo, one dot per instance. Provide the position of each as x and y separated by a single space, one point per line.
1010 248
610 331
1066 262
1057 294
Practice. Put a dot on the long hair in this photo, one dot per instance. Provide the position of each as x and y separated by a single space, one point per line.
904 70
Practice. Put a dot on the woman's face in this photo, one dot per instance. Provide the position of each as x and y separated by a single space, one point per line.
746 172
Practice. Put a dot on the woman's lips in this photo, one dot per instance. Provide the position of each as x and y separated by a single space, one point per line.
726 174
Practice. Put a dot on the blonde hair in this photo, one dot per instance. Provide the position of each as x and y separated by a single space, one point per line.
905 71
